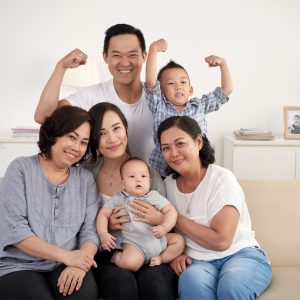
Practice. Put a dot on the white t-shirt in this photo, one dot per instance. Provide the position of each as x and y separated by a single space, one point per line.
218 188
139 117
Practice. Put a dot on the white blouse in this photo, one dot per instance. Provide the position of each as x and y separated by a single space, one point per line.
218 189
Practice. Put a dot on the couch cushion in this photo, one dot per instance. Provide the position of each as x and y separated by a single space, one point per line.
285 284
274 207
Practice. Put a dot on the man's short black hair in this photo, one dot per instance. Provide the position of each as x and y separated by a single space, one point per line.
171 65
123 29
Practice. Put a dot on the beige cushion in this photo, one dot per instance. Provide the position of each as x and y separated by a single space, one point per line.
285 285
274 208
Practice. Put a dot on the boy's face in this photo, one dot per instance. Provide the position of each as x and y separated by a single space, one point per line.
135 178
125 58
296 119
175 86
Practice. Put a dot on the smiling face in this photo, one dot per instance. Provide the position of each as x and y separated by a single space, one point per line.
175 86
113 137
125 58
71 147
180 150
135 178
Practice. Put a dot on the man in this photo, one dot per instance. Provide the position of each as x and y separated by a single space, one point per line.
125 52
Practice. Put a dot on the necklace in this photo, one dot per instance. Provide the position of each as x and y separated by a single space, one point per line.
68 172
111 182
188 204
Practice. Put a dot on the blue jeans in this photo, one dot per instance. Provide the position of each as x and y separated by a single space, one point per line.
243 275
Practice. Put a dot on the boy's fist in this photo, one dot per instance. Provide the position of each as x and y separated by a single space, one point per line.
214 61
107 241
159 231
160 45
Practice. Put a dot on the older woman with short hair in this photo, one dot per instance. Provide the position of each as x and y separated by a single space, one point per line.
48 210
222 259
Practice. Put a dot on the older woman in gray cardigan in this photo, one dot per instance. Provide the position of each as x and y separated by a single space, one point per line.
48 208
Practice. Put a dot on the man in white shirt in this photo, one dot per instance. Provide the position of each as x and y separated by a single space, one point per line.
124 51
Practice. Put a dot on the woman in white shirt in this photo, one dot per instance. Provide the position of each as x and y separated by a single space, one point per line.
222 259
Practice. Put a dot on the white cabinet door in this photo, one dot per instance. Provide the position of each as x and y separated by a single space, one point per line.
10 151
264 164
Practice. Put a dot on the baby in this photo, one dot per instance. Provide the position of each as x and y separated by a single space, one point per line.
169 96
143 242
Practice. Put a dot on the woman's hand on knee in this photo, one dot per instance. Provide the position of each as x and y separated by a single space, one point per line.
71 278
148 213
114 222
179 263
79 259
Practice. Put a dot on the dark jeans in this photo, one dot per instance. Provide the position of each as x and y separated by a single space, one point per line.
158 282
43 285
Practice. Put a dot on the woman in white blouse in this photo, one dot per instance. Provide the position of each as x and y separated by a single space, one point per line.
222 259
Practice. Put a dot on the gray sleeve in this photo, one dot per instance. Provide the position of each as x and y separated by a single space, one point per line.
88 232
13 206
158 200
157 183
112 202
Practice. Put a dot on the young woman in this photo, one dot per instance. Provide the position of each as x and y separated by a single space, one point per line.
109 150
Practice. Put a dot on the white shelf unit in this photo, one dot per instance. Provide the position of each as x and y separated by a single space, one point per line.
11 148
250 159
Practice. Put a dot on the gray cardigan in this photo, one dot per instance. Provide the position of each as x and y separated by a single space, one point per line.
156 181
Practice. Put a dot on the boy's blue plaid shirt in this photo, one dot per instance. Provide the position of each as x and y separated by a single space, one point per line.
162 109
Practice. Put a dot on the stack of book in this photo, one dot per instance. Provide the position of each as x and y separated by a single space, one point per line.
254 134
26 132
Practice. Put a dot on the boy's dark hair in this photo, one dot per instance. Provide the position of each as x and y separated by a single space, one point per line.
130 159
123 29
97 112
63 121
191 127
171 65
296 116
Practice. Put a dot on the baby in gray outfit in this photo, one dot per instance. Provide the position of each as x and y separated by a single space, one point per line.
143 242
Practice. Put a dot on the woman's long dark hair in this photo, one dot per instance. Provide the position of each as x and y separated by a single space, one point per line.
97 112
191 127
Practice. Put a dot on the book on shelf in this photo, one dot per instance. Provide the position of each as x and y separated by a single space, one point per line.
239 136
25 132
254 131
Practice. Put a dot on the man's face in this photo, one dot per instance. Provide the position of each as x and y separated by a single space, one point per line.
125 58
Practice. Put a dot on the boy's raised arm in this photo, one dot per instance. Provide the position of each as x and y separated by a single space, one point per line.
151 65
49 100
226 81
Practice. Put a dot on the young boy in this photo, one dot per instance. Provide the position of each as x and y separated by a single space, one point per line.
143 242
169 96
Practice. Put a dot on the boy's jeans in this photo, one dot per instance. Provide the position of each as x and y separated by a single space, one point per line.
243 275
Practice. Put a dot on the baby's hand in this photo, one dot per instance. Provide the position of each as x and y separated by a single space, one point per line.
214 61
159 231
107 241
160 45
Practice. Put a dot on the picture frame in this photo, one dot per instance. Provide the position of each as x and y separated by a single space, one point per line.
291 122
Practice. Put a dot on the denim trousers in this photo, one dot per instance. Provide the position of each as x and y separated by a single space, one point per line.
243 275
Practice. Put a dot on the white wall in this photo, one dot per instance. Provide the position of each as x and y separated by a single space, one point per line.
258 38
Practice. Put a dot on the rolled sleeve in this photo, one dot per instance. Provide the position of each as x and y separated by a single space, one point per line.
13 207
153 96
213 101
88 232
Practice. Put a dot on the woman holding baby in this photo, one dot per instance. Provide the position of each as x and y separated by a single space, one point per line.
109 151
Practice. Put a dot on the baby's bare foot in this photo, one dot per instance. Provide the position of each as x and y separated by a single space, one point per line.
155 261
